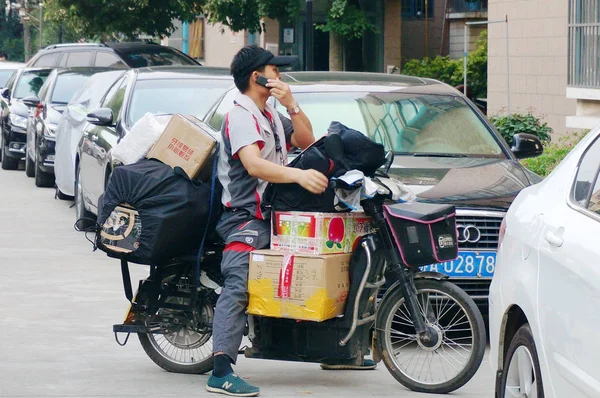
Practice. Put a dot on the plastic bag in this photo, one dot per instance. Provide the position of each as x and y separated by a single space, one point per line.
140 139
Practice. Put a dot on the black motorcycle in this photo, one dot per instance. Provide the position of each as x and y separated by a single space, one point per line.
427 331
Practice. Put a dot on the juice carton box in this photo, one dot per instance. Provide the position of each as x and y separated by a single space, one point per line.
317 233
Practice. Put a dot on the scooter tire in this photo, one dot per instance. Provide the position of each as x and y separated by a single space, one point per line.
386 312
199 368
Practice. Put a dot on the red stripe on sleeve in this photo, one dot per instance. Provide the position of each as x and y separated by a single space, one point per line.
239 247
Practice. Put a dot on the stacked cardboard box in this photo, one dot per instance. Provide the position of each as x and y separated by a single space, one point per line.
305 275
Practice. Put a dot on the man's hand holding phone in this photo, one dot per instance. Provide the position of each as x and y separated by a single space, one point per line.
281 91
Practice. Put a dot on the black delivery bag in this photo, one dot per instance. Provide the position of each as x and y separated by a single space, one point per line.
358 152
425 233
150 213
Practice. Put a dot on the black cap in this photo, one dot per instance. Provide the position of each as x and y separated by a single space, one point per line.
264 57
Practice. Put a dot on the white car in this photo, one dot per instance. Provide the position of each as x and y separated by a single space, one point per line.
545 295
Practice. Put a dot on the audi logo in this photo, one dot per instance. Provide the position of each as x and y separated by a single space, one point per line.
468 233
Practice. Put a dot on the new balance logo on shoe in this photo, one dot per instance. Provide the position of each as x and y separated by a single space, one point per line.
227 385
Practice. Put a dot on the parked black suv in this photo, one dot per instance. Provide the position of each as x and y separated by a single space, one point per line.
15 113
124 55
50 103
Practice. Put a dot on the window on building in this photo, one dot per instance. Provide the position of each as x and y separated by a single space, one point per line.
584 41
196 39
416 8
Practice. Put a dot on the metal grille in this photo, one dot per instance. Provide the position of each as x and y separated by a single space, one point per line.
478 290
488 224
584 43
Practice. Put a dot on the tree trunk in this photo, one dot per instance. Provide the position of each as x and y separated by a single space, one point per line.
336 48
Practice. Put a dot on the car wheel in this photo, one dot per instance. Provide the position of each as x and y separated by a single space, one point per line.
83 218
42 179
522 376
29 165
8 163
62 196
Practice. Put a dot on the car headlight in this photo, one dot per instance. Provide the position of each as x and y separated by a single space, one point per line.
50 130
18 121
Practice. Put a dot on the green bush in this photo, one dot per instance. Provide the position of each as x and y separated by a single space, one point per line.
450 71
509 125
440 68
553 154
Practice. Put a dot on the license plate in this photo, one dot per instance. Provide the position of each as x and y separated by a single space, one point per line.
467 265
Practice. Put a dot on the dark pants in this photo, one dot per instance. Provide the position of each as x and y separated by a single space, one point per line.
242 233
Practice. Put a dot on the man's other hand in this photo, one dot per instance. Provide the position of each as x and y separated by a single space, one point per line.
313 181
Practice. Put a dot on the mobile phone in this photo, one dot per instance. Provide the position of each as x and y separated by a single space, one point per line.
262 81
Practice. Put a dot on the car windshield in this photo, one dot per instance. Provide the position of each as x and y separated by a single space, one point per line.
66 85
5 74
185 96
30 83
156 57
410 124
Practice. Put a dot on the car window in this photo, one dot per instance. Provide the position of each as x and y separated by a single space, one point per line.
5 74
115 96
30 83
47 60
44 90
407 123
586 180
185 96
79 58
63 59
216 119
66 86
594 204
155 56
108 59
11 80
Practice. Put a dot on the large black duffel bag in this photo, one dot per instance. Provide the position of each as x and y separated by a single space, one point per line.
150 213
357 152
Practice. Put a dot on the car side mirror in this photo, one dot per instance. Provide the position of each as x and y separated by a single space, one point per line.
32 101
526 146
5 92
101 117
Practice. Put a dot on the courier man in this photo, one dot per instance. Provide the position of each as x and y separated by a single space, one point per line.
255 143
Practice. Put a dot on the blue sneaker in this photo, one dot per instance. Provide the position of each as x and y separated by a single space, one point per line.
367 364
231 385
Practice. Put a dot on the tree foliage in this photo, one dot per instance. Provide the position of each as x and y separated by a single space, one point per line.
112 18
11 35
346 19
451 70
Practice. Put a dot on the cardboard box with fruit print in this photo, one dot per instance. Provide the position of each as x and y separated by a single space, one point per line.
317 233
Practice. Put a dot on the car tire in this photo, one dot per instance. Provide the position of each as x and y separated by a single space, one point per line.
8 163
62 196
84 219
521 352
29 166
42 179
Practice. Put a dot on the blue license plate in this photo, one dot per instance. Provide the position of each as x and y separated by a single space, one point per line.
467 265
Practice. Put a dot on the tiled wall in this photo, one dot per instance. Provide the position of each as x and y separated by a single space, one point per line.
538 59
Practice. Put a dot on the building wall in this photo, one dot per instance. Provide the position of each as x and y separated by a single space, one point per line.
221 44
457 37
413 34
392 24
538 41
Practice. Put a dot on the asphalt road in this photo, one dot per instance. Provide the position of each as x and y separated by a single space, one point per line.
59 301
